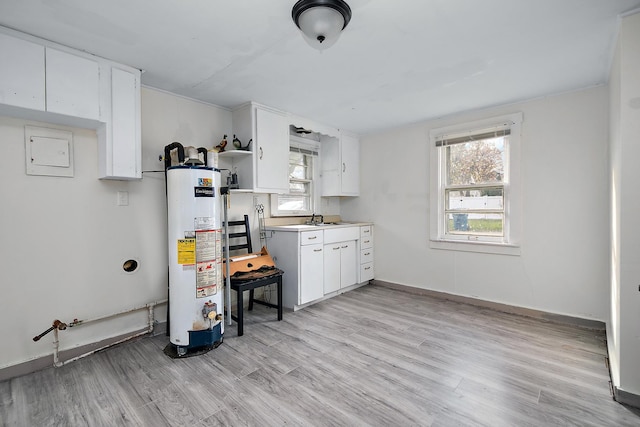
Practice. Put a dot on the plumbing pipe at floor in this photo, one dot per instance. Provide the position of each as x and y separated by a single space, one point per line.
150 319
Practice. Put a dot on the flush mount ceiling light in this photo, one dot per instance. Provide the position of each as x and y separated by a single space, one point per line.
321 21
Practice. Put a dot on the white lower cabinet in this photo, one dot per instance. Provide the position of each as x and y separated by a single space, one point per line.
311 274
331 267
366 254
340 266
319 262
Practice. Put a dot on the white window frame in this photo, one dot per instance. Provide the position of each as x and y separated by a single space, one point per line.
310 146
509 244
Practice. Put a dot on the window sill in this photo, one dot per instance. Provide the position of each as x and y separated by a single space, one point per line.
479 247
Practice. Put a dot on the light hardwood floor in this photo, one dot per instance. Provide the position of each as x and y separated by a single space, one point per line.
374 356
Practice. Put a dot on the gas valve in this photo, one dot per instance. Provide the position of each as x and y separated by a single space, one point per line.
209 311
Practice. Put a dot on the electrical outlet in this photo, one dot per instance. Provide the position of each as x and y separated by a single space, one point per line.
123 198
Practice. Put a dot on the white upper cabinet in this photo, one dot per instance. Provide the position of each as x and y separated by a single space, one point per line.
21 73
341 165
272 156
72 85
350 167
41 78
267 170
43 81
119 138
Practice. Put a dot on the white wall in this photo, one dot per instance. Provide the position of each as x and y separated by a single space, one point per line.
613 325
563 267
623 329
64 239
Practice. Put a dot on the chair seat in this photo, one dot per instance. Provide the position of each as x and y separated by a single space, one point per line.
262 273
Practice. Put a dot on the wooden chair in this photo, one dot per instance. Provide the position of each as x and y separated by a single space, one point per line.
242 285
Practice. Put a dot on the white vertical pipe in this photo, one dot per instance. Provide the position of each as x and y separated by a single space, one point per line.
56 347
226 264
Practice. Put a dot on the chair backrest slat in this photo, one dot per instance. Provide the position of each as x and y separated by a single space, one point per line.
244 234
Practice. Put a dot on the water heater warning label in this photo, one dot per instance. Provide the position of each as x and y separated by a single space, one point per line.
186 251
209 262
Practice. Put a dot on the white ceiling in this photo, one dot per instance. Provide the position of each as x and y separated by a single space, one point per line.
397 62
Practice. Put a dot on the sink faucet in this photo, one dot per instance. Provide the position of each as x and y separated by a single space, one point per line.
313 219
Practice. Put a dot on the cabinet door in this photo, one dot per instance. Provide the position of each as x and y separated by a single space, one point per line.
311 273
331 267
348 264
21 73
72 85
350 147
125 110
272 152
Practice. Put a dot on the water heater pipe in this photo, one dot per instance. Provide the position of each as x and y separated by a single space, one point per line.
226 264
56 342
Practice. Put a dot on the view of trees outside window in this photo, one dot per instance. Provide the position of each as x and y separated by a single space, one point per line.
474 194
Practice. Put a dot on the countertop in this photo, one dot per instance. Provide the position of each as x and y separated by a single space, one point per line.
307 227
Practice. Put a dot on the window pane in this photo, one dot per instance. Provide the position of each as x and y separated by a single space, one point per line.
297 158
297 172
299 187
294 203
476 162
475 223
475 199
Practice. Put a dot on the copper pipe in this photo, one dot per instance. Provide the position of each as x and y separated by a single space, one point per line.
57 325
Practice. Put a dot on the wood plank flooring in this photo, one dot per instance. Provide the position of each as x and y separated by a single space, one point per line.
374 356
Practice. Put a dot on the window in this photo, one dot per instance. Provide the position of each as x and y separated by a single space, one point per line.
475 199
303 172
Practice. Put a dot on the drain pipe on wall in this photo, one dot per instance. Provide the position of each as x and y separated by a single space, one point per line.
57 325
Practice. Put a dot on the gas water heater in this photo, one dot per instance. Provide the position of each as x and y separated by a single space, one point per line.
195 258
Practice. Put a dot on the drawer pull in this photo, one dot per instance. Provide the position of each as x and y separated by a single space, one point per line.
336 248
317 250
368 253
312 237
367 268
343 247
367 241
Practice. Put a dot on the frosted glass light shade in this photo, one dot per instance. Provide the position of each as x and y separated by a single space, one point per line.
321 26
321 21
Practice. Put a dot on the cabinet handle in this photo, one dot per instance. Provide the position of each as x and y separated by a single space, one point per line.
367 241
336 248
317 250
368 253
312 237
260 153
344 167
367 268
343 247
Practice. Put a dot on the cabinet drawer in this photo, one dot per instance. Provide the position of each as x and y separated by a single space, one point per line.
333 235
366 272
366 242
311 237
366 255
365 231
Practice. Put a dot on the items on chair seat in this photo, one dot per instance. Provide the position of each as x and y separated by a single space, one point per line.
251 271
